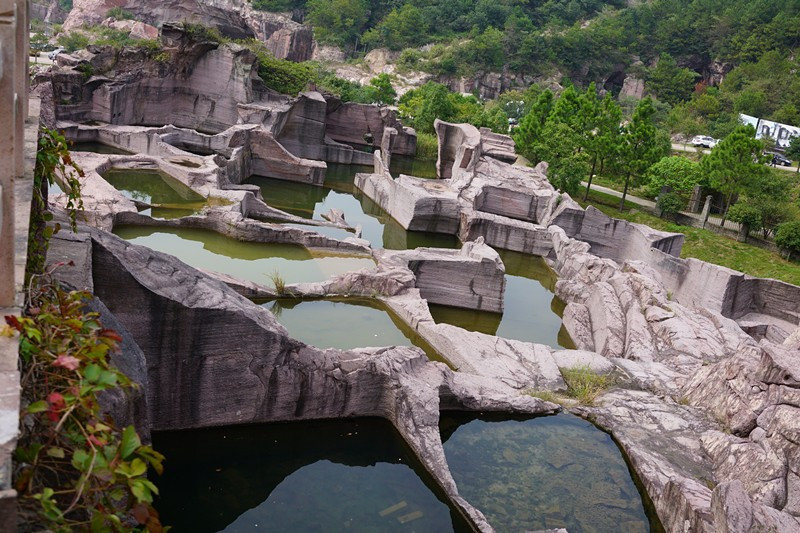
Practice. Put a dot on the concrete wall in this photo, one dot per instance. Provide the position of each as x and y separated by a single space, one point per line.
18 135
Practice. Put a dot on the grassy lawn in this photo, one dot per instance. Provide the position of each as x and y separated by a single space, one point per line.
619 186
705 245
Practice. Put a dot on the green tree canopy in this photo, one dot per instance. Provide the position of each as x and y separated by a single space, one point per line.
735 164
641 145
560 146
679 173
601 128
402 28
669 82
338 22
530 127
380 90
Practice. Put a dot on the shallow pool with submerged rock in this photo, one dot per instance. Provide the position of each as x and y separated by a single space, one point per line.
169 197
345 475
345 324
339 192
250 261
544 473
532 313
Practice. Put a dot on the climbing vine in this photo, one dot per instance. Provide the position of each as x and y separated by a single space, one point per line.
54 165
75 469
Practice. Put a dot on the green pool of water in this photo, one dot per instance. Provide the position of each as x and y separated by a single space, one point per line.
419 168
247 260
532 312
345 324
339 192
97 148
298 477
544 473
169 197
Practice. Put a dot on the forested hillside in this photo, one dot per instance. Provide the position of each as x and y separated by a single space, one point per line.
678 46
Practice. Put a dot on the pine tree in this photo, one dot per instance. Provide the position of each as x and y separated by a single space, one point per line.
530 127
603 136
560 147
641 146
735 164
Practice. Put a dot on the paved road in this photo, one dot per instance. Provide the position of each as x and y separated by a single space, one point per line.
633 199
41 59
689 148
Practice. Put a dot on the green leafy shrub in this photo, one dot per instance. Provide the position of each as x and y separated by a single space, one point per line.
73 41
380 90
277 5
86 70
670 204
74 468
746 215
787 237
200 33
427 146
119 13
678 173
283 76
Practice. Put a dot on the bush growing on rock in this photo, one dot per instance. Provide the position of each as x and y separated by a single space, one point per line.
73 41
280 75
199 32
119 13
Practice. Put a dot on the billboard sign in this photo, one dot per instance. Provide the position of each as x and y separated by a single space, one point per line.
781 133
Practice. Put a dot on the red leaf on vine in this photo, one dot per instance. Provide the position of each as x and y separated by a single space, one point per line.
57 404
140 513
67 361
110 334
13 321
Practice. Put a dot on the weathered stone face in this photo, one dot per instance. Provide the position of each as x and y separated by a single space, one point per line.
237 19
197 378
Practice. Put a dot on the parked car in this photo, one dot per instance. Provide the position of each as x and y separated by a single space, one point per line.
704 140
780 159
52 55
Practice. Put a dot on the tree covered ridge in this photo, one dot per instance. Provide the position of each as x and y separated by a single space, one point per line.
567 34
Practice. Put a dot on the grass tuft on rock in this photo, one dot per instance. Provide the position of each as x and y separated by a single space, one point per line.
584 384
278 282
